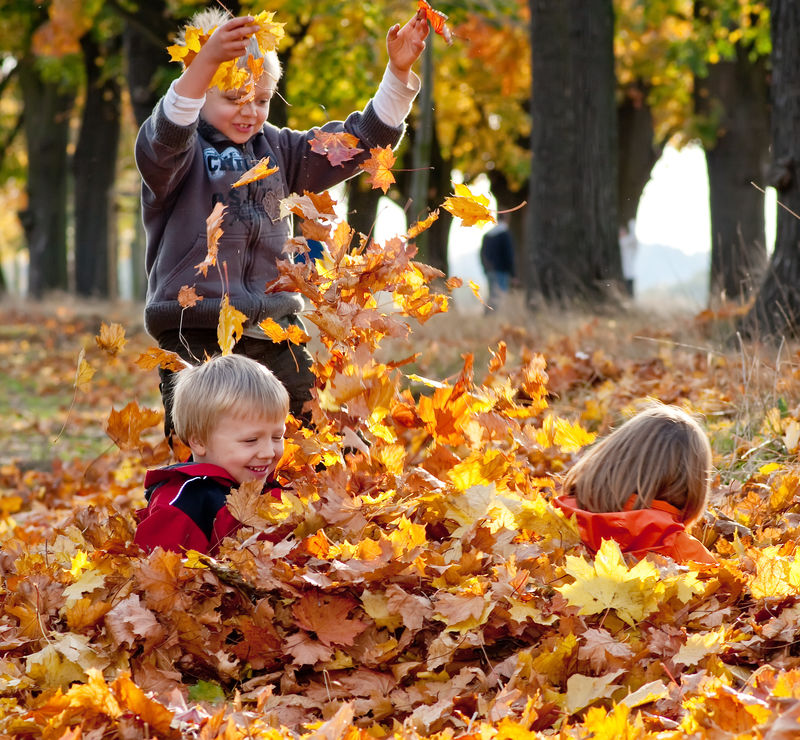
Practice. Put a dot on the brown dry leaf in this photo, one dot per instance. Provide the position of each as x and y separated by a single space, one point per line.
213 235
111 338
258 172
306 651
187 296
327 616
245 501
338 147
379 166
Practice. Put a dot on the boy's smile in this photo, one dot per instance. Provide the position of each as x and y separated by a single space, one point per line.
248 447
237 120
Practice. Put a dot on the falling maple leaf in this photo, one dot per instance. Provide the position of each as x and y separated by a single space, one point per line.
379 166
472 209
187 297
230 325
125 426
423 225
277 333
309 206
338 147
258 172
213 234
84 373
156 357
111 338
438 21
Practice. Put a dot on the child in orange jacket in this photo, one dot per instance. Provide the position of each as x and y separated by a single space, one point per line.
643 485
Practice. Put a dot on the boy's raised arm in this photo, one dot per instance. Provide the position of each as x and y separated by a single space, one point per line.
406 44
228 42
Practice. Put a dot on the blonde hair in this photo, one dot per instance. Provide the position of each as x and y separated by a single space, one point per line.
211 18
224 385
661 453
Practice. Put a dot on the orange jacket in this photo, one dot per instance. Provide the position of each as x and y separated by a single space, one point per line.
657 529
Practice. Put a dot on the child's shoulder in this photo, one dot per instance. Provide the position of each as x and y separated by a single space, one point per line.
181 472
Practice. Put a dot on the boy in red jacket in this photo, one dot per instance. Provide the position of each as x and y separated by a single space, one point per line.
643 485
231 412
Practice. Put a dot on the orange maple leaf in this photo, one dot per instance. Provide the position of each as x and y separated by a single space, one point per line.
230 326
187 297
338 147
327 616
111 338
421 226
258 172
213 234
124 427
157 357
309 206
379 166
277 333
472 209
437 20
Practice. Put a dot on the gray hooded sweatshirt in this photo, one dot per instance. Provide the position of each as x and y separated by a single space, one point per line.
186 170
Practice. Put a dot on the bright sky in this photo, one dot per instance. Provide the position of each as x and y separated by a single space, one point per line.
673 210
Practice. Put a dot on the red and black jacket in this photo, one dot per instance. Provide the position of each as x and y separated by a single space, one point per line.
186 508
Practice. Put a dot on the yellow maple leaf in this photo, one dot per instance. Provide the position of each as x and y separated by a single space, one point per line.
701 644
111 338
584 690
607 583
422 225
472 209
230 326
84 372
257 172
270 34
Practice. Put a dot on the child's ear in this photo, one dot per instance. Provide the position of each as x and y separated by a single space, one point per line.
197 446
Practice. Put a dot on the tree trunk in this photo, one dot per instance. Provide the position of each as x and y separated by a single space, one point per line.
94 165
145 38
362 205
776 310
47 109
437 237
638 151
735 97
573 188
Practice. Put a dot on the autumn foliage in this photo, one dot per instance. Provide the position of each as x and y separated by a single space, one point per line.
420 582
416 581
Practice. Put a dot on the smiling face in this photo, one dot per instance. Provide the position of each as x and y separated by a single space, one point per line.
247 446
239 121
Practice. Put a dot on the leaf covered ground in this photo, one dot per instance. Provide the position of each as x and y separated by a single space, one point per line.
420 586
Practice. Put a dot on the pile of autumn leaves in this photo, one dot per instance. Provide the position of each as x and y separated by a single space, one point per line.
421 583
